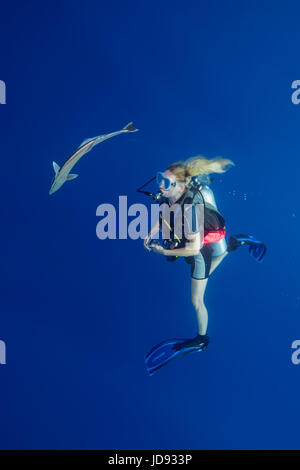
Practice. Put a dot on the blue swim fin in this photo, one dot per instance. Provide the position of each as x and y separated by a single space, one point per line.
257 249
166 351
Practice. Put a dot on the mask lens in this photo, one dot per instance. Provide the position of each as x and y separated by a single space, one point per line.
160 178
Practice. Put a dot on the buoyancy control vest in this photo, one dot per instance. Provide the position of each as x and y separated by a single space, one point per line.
214 222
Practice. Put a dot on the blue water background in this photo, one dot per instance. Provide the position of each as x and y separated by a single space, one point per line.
77 313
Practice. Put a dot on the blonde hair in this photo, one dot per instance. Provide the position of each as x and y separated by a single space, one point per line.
199 165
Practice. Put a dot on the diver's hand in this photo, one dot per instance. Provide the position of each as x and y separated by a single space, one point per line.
147 239
158 249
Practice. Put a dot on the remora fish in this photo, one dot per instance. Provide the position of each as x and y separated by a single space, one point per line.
63 174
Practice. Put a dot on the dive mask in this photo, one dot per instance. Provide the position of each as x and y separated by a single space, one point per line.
162 179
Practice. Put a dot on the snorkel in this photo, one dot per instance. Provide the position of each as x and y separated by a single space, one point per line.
157 197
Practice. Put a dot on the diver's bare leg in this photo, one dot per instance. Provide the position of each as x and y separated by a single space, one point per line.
198 287
216 260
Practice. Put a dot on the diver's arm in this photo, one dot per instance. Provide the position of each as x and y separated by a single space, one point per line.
181 252
153 231
191 248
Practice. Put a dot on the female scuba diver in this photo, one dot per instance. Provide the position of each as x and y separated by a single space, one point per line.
203 244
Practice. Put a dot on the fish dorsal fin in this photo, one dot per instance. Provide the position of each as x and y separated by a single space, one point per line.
56 168
71 176
86 141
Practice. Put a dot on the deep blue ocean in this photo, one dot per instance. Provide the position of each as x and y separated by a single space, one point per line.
78 314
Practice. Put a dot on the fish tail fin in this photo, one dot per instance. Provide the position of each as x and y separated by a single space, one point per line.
130 127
